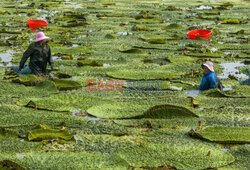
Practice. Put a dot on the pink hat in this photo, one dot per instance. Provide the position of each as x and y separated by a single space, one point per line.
209 65
40 36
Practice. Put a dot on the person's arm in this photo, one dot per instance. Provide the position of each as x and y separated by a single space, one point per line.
26 55
50 60
204 84
212 81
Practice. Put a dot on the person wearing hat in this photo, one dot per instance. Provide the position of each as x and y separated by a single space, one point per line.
39 53
209 78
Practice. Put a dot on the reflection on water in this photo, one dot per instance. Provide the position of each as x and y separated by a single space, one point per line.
191 93
202 7
6 58
230 69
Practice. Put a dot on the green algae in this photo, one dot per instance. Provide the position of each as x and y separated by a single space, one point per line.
222 134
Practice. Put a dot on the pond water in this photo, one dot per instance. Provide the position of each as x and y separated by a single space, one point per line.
230 69
124 33
202 7
191 93
6 58
20 155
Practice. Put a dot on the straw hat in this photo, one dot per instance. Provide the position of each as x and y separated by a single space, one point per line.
40 36
209 65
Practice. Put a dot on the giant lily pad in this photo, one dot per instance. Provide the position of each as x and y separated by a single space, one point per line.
29 80
180 157
168 112
223 134
126 49
140 110
67 84
7 164
49 134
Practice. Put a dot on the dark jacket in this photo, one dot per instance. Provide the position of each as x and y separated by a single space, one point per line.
39 57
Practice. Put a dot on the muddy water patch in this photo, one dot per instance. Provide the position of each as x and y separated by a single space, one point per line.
230 69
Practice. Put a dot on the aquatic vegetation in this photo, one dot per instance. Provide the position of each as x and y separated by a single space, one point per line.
140 28
223 134
233 21
7 164
142 123
142 110
125 49
62 84
29 80
152 155
48 134
82 63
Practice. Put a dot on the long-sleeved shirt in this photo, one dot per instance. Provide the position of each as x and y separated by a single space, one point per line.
39 57
208 81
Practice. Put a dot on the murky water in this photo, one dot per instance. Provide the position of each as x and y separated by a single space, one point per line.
20 155
230 69
202 7
124 33
192 93
6 58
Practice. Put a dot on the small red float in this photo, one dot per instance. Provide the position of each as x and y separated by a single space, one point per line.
199 33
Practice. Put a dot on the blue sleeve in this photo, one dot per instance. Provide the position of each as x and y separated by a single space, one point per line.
204 84
212 81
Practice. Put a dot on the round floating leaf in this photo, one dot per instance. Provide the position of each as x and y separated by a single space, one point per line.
66 84
180 157
49 134
223 134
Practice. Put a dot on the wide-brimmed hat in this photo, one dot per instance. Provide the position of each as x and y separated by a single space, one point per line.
40 36
209 65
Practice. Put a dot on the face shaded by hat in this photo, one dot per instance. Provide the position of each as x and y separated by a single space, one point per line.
40 36
209 65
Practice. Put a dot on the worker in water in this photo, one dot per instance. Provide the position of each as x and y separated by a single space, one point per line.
209 79
39 53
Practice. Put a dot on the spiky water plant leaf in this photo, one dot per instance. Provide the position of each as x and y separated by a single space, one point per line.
181 157
140 110
223 134
69 160
66 84
48 134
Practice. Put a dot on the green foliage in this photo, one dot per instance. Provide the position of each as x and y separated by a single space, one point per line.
222 134
151 155
29 80
48 134
8 165
140 28
81 63
66 84
168 112
63 102
233 21
126 49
